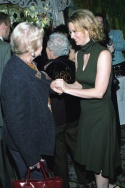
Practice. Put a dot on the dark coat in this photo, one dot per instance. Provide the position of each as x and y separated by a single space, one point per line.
29 123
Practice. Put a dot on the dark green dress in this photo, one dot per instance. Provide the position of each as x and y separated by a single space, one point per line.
97 146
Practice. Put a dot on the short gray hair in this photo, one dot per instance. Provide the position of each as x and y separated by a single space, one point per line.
59 44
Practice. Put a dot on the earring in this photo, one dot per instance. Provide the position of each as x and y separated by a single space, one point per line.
33 54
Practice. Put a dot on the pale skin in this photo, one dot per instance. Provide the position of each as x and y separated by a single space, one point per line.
104 65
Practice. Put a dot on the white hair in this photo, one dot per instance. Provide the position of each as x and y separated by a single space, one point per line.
59 44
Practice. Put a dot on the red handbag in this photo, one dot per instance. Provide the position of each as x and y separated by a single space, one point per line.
49 181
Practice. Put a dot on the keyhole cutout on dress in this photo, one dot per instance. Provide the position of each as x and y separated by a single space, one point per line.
85 60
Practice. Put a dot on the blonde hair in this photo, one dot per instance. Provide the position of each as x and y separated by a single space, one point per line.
85 20
25 37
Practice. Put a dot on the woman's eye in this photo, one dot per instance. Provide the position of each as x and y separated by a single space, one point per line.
71 32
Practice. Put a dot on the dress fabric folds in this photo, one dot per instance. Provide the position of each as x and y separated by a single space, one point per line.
97 145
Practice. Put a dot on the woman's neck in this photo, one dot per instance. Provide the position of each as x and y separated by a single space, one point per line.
27 58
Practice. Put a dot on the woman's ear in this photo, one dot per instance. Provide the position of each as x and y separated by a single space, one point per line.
53 55
86 32
50 54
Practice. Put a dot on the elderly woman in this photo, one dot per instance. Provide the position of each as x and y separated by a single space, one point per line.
28 120
65 108
58 48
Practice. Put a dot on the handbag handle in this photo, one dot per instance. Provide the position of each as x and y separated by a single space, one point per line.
43 171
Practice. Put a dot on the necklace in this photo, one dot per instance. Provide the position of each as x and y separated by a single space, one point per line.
32 65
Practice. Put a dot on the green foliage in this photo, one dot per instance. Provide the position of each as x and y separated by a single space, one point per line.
18 15
113 9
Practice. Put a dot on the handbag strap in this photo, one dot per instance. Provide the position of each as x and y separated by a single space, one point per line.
43 171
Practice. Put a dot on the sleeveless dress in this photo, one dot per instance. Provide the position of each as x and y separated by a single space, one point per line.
97 145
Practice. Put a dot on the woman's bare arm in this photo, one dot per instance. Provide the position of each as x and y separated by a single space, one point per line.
101 82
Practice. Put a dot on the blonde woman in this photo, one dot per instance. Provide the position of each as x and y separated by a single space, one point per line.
97 147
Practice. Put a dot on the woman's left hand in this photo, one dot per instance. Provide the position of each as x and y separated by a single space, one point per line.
56 88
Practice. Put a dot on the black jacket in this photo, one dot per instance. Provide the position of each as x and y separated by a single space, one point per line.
65 108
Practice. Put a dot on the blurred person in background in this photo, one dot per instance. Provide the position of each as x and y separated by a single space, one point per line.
6 162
